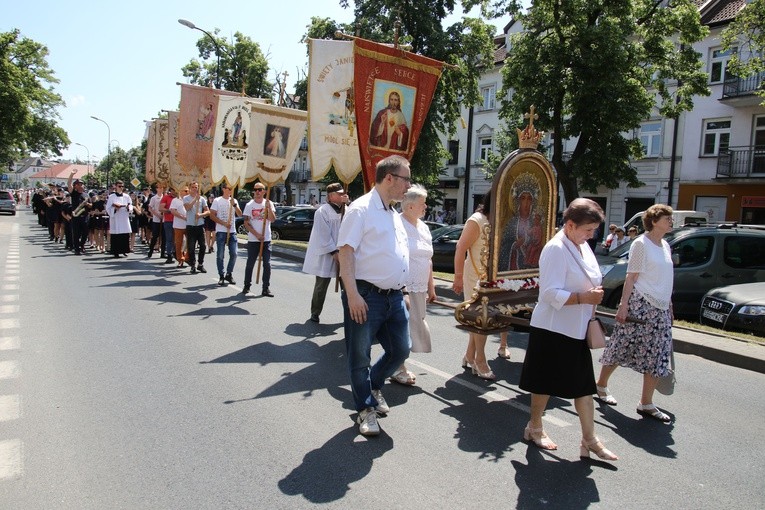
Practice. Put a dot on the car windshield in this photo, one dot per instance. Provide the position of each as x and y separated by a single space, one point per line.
453 231
623 250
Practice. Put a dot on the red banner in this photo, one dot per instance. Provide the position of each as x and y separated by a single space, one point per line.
393 89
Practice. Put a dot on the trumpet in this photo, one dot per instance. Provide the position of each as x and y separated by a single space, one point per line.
80 208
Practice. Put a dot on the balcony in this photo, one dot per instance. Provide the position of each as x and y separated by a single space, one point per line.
743 91
741 162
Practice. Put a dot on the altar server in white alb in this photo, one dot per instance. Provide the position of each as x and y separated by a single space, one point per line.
119 206
321 255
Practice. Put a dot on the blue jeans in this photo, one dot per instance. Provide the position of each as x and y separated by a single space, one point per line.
220 242
253 249
388 323
167 226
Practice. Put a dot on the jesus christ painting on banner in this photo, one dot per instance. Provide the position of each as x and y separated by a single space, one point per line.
277 139
390 127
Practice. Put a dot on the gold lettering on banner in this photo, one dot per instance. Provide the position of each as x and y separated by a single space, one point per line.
330 139
404 73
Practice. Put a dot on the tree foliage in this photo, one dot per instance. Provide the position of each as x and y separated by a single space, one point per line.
595 69
28 102
242 65
747 33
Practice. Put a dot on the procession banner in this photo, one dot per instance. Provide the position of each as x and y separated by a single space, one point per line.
276 134
196 129
162 150
393 90
151 153
179 176
229 159
332 137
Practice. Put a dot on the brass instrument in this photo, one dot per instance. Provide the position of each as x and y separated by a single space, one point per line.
80 208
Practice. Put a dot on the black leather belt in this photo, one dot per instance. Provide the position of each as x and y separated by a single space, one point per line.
366 284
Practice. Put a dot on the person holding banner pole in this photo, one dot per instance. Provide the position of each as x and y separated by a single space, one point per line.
321 254
222 213
258 215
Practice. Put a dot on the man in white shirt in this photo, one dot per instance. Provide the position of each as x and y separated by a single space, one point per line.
223 212
258 215
321 255
196 211
374 267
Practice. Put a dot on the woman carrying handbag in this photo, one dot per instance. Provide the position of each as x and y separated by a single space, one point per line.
644 342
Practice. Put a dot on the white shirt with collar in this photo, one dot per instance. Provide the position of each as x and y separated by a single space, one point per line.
559 276
379 241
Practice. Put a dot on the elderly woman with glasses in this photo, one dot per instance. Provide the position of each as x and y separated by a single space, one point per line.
119 207
644 342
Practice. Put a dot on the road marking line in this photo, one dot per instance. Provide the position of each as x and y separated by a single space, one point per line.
9 369
10 407
10 286
9 343
10 459
492 396
9 309
9 298
6 324
9 278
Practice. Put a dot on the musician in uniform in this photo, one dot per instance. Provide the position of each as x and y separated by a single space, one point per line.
80 207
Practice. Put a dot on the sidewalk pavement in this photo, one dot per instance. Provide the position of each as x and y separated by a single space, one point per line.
717 348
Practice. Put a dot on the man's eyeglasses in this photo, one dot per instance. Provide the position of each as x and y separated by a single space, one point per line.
119 186
260 189
407 179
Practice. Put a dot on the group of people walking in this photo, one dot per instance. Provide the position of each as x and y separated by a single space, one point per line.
381 257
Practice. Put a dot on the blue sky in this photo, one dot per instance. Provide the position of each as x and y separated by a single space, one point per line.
120 61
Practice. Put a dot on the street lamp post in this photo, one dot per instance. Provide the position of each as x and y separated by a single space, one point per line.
187 23
108 148
88 157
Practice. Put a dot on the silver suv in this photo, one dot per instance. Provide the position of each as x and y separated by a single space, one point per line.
7 202
704 258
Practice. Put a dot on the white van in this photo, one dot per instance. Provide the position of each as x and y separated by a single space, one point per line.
680 218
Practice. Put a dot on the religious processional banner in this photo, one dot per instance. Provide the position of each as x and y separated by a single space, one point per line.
275 136
179 176
196 129
151 153
229 159
393 90
162 150
332 137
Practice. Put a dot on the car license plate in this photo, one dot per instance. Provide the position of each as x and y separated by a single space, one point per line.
715 316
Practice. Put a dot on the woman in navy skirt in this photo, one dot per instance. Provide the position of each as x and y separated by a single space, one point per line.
558 361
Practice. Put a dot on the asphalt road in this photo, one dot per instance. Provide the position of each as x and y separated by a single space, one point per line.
131 384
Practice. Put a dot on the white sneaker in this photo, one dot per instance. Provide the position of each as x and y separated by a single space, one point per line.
382 405
367 421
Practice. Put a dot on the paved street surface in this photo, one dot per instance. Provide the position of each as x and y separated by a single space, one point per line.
131 384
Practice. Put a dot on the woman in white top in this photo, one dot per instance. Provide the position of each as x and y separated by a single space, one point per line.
558 361
420 286
644 344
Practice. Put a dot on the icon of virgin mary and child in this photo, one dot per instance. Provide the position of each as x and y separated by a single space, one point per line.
523 235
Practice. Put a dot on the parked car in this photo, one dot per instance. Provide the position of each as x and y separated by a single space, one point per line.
704 258
444 243
7 202
280 210
295 224
737 307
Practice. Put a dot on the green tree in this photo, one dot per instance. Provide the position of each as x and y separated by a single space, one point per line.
466 45
595 69
747 34
242 65
28 102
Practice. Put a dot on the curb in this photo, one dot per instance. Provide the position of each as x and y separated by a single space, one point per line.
716 348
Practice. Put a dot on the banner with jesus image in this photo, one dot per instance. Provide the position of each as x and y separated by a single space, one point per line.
274 141
393 91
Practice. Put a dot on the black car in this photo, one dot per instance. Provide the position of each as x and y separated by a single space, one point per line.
295 224
736 307
703 257
444 244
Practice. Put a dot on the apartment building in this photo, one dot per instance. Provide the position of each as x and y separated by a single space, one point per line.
711 159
